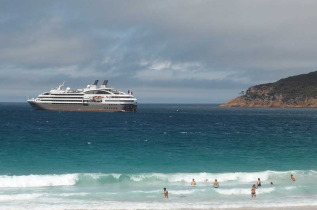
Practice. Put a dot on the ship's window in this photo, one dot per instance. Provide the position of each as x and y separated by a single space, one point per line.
90 92
114 91
102 92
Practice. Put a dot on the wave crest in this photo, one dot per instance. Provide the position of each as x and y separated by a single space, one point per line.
38 180
149 178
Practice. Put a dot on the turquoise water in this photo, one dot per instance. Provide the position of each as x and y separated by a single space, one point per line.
71 160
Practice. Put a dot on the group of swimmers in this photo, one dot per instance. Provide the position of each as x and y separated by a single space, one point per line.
193 184
258 184
216 185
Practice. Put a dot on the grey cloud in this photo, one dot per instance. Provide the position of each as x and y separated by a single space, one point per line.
245 42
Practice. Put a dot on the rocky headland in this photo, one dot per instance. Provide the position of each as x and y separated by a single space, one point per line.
293 92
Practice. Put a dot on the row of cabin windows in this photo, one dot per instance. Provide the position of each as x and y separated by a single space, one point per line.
102 92
121 96
80 104
87 92
62 97
74 97
123 101
64 94
69 103
78 100
97 92
111 107
50 96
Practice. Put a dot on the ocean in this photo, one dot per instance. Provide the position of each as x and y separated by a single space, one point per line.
74 160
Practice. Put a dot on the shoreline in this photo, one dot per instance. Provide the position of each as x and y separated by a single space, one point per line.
273 208
238 208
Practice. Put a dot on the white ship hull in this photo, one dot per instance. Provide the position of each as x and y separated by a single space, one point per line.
91 99
90 107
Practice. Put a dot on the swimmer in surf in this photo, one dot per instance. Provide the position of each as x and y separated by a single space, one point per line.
258 183
293 178
165 193
253 194
272 184
216 184
193 183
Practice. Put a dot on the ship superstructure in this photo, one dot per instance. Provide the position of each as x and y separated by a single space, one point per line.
92 98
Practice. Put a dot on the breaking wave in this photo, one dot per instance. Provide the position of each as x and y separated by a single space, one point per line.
225 179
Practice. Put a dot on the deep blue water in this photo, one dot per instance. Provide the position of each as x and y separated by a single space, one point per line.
77 160
158 138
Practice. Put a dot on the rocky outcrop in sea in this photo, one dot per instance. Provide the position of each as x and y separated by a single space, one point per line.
293 92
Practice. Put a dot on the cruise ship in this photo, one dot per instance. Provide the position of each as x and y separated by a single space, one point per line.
93 98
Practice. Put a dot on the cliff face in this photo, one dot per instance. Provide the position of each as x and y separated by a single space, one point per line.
292 92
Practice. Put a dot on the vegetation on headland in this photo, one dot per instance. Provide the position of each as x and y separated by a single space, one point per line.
293 92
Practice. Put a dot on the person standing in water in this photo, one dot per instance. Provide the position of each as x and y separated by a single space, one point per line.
193 183
258 184
293 178
165 193
216 184
253 193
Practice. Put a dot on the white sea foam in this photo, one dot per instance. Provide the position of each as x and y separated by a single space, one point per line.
243 191
290 188
186 192
72 194
144 191
238 177
166 205
150 176
225 179
147 192
201 177
100 175
182 192
15 197
38 180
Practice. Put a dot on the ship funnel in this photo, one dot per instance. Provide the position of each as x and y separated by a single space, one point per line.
96 82
105 82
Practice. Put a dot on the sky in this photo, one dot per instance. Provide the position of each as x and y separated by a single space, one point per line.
202 51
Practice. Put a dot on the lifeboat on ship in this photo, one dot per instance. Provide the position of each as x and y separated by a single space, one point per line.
97 98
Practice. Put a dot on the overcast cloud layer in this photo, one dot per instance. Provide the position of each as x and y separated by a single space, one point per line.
165 51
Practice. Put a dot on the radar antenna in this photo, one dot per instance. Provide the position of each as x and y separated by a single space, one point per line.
60 87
